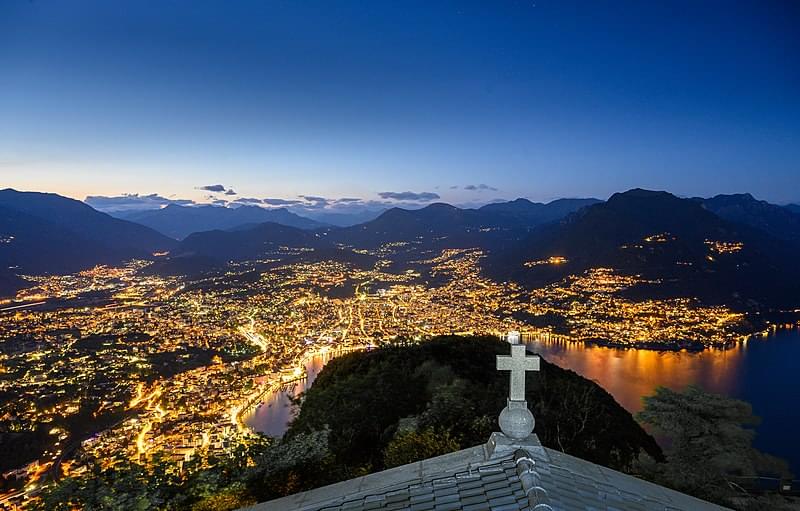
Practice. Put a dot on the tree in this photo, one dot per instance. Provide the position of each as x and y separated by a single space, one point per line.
290 465
126 486
710 444
233 497
411 446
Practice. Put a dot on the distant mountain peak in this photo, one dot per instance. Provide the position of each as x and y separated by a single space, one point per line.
179 221
736 197
55 234
436 208
439 206
743 208
622 234
641 193
442 223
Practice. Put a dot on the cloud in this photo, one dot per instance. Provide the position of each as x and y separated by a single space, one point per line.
213 188
230 191
132 202
345 210
281 202
410 196
480 188
313 198
315 202
248 200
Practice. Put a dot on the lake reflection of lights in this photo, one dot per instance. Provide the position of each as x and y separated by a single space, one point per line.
629 374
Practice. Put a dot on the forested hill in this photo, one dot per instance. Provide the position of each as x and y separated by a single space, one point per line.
394 404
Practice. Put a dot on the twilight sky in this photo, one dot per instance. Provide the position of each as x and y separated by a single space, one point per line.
334 99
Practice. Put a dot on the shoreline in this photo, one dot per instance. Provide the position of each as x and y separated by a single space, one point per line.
767 327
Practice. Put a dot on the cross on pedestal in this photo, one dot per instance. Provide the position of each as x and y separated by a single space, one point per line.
516 421
518 363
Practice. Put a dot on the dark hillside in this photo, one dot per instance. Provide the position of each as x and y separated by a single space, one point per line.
780 222
691 250
449 385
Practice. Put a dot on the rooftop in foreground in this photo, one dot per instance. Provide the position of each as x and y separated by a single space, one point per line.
511 472
503 475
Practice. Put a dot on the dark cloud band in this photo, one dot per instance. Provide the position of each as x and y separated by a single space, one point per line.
410 196
213 188
480 187
132 202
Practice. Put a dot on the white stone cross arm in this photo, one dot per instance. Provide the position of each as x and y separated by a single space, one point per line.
518 363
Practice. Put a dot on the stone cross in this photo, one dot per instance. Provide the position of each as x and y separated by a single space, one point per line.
518 363
516 420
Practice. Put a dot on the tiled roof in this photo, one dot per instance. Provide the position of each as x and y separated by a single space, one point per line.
501 476
494 486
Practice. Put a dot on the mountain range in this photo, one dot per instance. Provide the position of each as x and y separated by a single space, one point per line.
780 221
529 214
179 222
47 233
682 243
441 224
725 248
343 218
433 225
245 244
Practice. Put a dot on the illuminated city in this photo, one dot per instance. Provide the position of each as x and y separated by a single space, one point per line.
114 363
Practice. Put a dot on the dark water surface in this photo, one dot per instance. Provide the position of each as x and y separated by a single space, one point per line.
273 416
762 371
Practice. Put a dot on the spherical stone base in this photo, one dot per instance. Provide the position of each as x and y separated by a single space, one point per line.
516 421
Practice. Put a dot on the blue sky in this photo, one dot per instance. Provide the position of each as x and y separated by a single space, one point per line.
280 99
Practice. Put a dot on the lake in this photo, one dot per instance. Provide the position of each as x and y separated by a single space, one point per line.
758 370
273 416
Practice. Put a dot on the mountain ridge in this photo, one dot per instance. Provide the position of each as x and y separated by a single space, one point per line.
722 247
178 221
690 249
246 244
47 233
84 220
440 223
743 208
